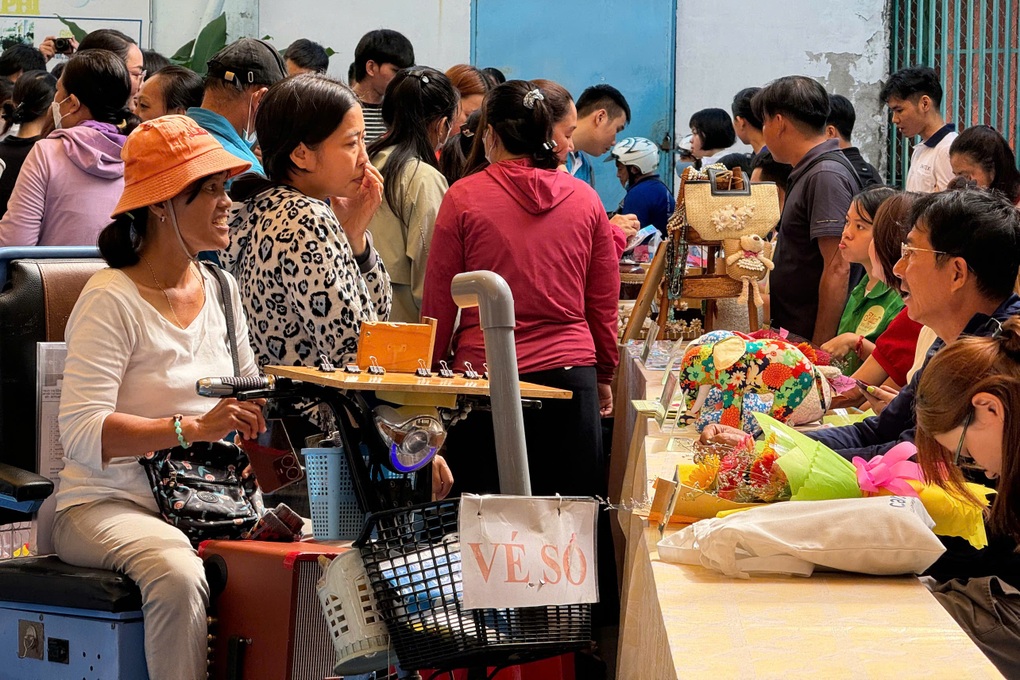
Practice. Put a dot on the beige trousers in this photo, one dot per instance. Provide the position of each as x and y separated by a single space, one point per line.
122 536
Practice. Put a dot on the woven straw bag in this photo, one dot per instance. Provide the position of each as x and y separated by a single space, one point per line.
718 212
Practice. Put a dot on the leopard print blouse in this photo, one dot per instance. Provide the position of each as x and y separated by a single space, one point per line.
303 291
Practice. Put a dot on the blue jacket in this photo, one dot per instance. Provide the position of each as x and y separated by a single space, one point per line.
896 423
220 128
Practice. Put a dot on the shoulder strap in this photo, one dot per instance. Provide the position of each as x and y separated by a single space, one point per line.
839 157
228 311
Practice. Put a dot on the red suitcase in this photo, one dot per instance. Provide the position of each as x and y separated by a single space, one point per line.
270 624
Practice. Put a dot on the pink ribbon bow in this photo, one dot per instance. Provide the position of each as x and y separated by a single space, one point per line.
890 472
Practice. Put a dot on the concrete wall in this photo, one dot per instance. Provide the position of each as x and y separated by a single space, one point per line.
725 47
721 47
439 29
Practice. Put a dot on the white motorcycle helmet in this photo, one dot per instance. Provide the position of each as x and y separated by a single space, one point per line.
637 151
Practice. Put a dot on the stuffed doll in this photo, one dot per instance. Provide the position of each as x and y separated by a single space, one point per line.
725 376
748 262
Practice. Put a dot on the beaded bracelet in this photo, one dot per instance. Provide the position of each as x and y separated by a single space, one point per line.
180 434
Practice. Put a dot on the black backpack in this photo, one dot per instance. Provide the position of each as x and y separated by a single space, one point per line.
839 157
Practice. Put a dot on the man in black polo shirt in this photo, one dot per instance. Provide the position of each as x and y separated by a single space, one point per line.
840 127
809 283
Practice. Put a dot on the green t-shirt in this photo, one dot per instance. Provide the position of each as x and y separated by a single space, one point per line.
868 314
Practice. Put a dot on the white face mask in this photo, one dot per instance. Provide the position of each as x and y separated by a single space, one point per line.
55 112
449 133
486 148
251 138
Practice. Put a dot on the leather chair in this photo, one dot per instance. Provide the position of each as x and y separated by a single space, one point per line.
67 621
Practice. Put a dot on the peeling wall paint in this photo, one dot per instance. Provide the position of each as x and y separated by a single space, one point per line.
723 48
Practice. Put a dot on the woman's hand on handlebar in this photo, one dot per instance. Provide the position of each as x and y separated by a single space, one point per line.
228 415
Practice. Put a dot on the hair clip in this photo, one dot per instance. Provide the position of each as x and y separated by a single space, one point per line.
374 368
465 131
533 96
550 145
469 372
998 328
420 76
325 365
444 370
423 369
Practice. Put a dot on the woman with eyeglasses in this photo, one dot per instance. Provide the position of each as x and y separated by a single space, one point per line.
423 104
968 409
127 49
71 181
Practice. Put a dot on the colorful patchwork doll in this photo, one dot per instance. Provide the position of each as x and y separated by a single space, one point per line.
726 376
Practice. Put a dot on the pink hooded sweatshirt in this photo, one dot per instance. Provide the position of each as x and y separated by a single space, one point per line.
547 234
67 188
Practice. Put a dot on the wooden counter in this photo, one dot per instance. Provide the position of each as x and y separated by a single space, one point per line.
681 621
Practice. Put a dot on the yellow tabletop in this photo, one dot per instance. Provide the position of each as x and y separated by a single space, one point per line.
407 382
682 621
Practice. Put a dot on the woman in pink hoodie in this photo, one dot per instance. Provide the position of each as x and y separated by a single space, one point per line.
71 180
548 235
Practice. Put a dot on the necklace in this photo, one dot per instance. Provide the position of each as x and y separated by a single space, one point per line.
163 290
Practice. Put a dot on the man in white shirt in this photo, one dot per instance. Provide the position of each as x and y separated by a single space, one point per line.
914 96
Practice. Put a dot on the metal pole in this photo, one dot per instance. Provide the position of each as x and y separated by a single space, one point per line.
490 293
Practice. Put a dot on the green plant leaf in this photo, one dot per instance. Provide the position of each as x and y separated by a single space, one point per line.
267 38
211 39
182 57
77 31
330 51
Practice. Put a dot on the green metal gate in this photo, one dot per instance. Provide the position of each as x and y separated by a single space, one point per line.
975 46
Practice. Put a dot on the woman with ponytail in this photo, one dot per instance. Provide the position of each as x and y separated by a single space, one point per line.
30 111
968 415
548 236
423 103
71 181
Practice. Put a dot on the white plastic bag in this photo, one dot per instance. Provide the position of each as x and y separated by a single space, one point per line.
881 535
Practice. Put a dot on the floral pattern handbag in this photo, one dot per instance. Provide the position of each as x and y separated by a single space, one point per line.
201 491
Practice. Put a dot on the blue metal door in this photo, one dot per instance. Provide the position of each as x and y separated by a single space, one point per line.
629 44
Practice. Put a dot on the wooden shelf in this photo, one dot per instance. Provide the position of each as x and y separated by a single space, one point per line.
407 382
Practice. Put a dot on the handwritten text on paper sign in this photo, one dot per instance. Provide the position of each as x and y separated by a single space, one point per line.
527 551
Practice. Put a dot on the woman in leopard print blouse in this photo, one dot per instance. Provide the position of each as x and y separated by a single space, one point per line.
299 248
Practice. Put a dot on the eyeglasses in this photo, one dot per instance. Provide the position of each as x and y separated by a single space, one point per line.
963 435
906 251
140 75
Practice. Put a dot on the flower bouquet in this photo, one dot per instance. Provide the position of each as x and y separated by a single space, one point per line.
788 465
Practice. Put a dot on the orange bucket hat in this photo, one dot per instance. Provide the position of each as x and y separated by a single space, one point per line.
165 155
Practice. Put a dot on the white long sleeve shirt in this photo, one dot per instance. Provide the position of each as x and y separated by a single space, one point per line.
124 356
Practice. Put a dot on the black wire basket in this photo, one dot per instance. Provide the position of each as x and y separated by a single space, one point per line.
412 557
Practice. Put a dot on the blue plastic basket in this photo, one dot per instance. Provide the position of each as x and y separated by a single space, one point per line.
335 512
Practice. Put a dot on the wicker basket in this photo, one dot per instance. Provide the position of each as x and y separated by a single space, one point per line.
355 624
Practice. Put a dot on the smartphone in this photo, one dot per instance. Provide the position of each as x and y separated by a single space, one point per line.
863 385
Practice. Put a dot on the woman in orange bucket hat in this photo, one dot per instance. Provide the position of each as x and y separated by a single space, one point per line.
142 332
